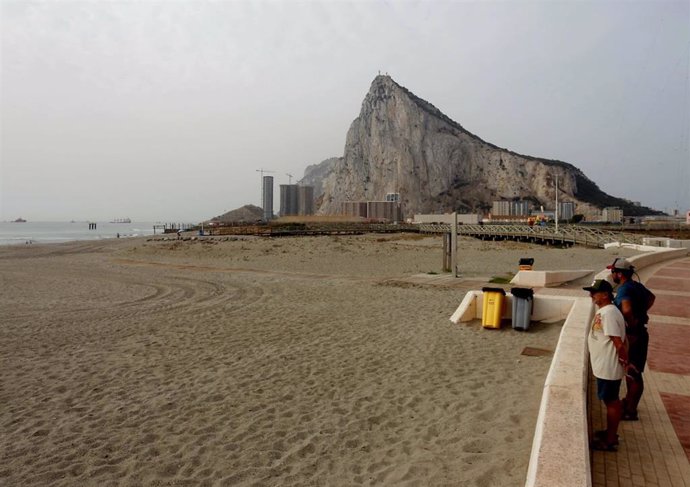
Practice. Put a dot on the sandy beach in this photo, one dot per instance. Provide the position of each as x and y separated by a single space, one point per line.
264 362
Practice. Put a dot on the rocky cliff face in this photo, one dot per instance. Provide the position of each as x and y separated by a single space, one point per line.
316 174
403 144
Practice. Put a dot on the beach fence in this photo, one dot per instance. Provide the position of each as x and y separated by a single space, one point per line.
280 229
565 235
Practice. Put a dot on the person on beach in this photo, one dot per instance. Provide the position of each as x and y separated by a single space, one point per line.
609 359
634 300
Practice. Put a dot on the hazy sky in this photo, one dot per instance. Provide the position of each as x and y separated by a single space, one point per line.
165 110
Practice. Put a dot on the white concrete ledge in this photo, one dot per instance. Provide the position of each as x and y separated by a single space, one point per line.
656 255
468 309
549 278
560 449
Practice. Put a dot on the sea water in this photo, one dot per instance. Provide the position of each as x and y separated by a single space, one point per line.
12 233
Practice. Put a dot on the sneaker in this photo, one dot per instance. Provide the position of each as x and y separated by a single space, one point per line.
601 445
602 434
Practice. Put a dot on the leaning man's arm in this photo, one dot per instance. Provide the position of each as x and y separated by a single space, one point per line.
621 349
627 310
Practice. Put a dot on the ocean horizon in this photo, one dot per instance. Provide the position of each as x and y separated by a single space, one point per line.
20 233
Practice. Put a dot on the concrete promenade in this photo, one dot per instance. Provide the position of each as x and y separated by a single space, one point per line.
655 451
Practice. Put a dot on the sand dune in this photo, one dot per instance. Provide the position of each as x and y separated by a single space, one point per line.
297 361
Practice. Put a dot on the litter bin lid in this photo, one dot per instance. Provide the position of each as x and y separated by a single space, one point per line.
526 261
522 292
494 290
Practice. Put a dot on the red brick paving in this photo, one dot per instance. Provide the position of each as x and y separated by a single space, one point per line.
677 407
669 348
655 451
669 344
669 284
673 272
678 306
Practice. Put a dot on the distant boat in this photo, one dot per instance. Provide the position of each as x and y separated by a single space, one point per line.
19 220
121 220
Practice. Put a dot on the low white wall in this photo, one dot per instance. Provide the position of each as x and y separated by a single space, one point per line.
666 242
560 449
549 278
544 308
641 261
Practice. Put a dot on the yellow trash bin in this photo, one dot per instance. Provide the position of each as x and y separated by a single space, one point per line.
492 307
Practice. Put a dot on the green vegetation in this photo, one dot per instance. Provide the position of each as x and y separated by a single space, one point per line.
502 279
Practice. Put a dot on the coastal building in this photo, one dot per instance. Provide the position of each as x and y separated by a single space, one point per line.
374 210
612 214
566 210
296 200
305 200
384 210
354 208
520 208
289 199
267 197
511 208
501 208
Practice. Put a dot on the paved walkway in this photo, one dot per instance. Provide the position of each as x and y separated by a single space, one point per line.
655 451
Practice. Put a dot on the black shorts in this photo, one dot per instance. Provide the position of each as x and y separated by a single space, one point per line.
637 350
608 390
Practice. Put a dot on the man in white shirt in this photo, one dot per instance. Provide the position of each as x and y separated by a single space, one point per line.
609 359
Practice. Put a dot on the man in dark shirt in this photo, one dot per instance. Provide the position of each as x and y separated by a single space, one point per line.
634 300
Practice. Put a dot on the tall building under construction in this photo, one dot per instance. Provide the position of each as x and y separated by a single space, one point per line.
296 200
305 205
267 197
289 199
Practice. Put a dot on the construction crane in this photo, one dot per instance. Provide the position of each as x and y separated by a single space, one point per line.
289 177
262 171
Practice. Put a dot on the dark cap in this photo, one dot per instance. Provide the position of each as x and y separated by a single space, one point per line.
621 264
599 286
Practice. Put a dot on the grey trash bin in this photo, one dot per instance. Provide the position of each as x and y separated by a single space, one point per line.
522 307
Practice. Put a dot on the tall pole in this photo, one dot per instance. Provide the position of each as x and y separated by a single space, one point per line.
556 203
454 244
